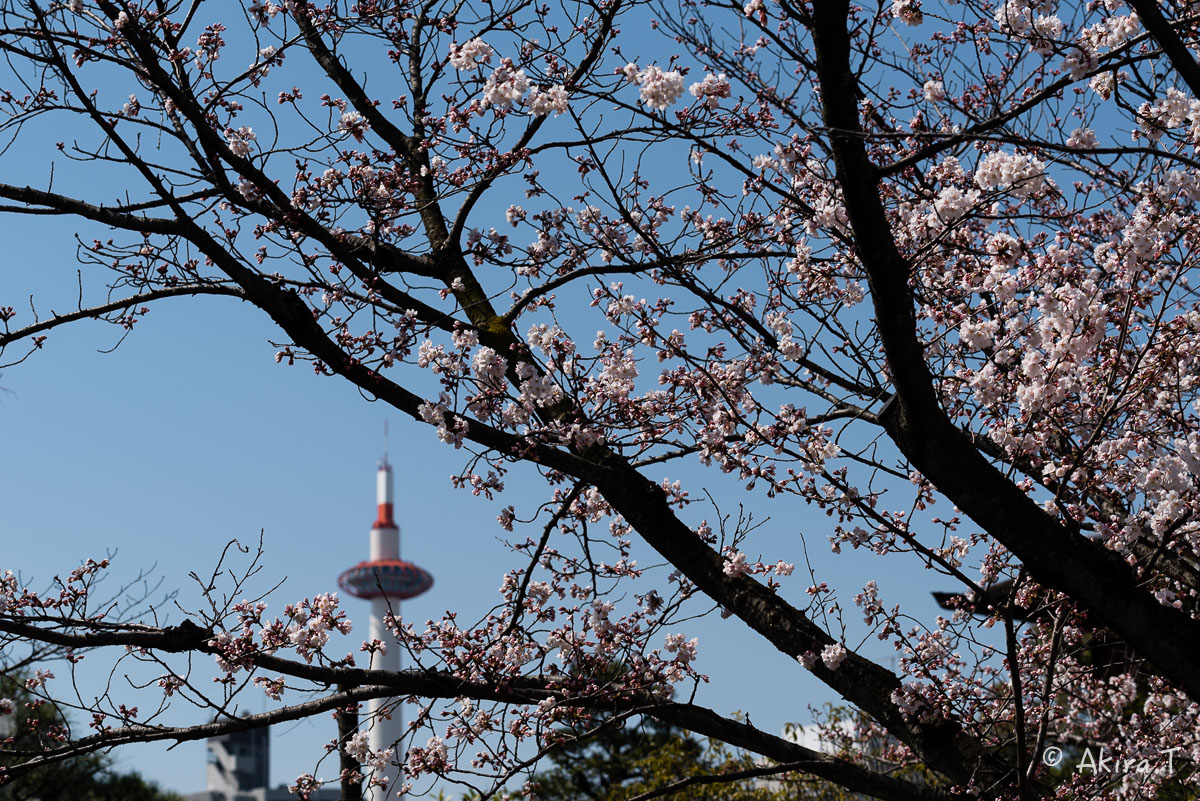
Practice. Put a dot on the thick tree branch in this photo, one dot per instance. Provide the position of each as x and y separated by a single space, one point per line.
942 745
1053 554
1175 49
118 219
708 723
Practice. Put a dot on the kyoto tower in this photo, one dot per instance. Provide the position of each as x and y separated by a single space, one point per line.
386 580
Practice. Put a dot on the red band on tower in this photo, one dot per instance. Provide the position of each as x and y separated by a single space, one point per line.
384 518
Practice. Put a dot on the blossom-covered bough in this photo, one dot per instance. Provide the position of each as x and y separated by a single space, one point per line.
924 267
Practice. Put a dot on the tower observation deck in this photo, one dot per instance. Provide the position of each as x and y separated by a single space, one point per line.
385 580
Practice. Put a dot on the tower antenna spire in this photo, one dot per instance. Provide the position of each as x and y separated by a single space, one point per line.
385 441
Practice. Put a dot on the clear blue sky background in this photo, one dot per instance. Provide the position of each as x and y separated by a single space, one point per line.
189 435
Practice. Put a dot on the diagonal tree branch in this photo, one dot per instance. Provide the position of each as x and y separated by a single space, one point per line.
117 305
1054 555
119 219
1181 58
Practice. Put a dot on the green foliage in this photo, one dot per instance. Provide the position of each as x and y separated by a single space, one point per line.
89 777
598 767
686 758
620 763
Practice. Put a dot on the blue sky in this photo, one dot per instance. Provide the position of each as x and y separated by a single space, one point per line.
189 435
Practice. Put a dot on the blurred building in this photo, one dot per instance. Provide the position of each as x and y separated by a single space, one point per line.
239 769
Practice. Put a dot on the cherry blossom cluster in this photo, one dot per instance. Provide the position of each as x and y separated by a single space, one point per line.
71 598
358 747
554 298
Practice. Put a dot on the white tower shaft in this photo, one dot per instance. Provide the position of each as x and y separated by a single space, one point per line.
385 544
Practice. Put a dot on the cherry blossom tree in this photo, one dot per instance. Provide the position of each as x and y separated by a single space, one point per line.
926 267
